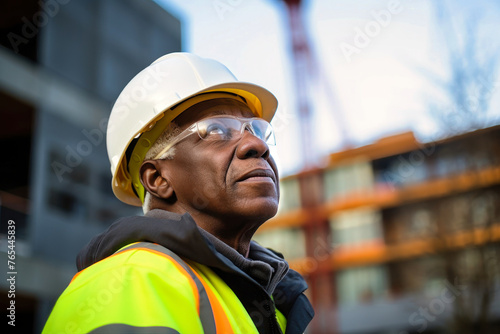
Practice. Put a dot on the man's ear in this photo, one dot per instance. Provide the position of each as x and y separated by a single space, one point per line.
154 182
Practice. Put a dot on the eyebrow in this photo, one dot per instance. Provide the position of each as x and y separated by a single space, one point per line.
219 112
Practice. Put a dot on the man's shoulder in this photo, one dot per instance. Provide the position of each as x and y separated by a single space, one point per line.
134 261
116 289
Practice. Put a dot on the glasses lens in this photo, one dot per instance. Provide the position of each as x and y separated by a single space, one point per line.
219 128
226 128
264 131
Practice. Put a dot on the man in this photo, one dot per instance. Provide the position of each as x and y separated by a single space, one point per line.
189 143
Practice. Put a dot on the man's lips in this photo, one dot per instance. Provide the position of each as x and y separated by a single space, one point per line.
256 175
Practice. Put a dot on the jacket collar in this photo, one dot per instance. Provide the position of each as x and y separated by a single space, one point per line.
179 233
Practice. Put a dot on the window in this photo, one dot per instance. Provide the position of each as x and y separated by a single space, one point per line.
361 285
355 227
483 209
456 211
67 203
16 34
342 180
289 195
290 242
412 221
421 223
16 134
420 276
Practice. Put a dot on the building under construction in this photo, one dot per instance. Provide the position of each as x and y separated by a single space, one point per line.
398 236
62 65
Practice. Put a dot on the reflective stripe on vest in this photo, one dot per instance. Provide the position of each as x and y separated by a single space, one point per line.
121 328
200 273
207 319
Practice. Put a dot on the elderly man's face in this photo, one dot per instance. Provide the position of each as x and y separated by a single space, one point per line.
234 179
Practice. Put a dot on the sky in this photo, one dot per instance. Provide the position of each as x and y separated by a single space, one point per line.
382 63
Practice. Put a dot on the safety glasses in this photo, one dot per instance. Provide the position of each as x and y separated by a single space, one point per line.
225 128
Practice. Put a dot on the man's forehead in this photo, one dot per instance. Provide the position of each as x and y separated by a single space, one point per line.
230 110
214 107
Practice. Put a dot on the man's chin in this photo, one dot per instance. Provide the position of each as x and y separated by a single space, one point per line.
262 209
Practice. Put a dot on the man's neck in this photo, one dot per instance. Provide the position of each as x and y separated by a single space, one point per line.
235 235
236 232
239 241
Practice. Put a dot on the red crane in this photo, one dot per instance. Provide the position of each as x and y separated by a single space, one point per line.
308 76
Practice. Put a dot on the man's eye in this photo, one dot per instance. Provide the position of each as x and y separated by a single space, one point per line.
215 129
218 131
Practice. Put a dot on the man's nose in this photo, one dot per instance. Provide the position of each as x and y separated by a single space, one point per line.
251 146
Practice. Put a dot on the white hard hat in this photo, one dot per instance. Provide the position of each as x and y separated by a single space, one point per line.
147 105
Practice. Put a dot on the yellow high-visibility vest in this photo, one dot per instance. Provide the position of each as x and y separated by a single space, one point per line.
146 288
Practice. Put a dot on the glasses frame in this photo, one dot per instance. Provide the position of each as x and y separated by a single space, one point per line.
246 124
